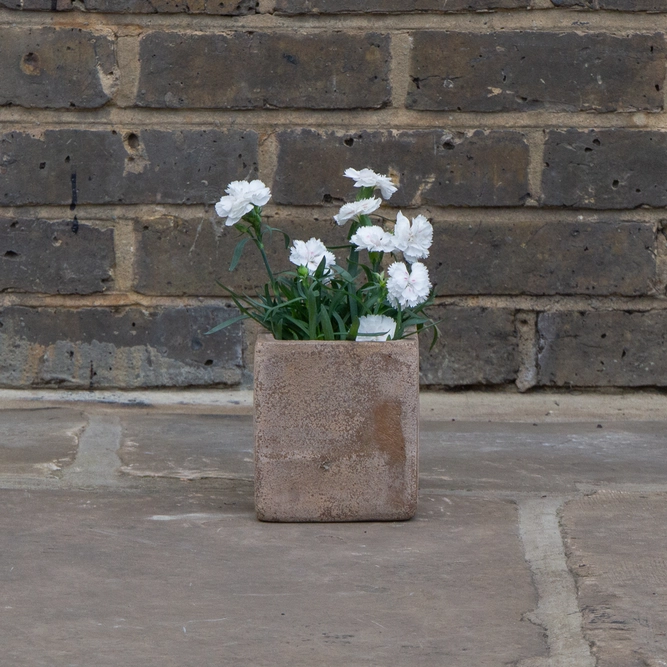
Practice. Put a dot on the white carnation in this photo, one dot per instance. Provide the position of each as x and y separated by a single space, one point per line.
240 199
355 208
367 178
374 239
413 240
383 326
408 288
310 253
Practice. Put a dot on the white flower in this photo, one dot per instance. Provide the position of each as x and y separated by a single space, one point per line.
373 238
408 288
413 240
367 178
382 325
240 199
355 208
310 253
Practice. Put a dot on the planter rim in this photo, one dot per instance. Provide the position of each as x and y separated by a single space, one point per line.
266 337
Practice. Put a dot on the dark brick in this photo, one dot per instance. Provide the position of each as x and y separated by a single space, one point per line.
392 6
477 346
220 7
620 5
475 168
49 257
118 347
246 70
615 168
179 166
178 257
55 67
603 349
518 71
542 258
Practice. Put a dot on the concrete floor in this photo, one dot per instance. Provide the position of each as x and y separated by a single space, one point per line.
128 537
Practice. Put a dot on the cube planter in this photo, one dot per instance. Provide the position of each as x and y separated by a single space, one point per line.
336 430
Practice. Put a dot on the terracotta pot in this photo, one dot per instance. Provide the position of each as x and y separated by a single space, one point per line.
336 430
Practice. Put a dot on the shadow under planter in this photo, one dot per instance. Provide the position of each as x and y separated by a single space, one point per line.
336 430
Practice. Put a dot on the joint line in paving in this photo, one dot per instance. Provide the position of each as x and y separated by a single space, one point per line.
557 609
97 462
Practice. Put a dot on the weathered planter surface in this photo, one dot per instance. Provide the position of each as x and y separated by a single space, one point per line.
336 430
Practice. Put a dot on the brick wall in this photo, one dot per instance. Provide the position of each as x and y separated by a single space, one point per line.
531 132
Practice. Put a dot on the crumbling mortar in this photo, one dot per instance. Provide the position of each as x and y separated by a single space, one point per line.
526 330
387 119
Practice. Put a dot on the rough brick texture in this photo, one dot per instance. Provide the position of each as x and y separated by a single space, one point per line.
221 7
615 168
240 71
433 167
56 67
535 141
477 346
516 71
140 166
126 347
188 257
620 5
55 257
593 349
544 258
392 6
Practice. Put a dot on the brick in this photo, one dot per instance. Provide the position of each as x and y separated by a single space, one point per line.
477 346
620 5
517 71
53 258
542 258
118 347
392 6
601 169
476 168
56 67
178 257
144 166
603 349
219 7
332 70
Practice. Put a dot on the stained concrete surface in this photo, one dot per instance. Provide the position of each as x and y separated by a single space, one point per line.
538 542
186 576
189 447
38 442
542 457
617 549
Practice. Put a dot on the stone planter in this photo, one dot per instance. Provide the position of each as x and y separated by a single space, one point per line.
336 430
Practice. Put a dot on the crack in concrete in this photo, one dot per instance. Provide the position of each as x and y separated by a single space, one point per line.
557 609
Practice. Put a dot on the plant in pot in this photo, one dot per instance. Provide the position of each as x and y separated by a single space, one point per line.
336 389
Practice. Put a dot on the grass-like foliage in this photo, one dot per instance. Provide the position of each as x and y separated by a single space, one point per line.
322 299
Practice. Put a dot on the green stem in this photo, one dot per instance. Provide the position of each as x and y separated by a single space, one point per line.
255 233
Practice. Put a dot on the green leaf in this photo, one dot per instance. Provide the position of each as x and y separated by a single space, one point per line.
327 329
226 323
342 329
286 238
238 251
312 315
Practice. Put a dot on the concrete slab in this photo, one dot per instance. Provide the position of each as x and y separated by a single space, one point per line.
38 442
478 456
187 577
186 446
617 547
541 458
